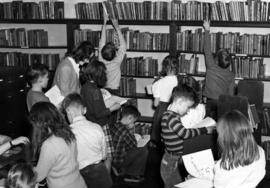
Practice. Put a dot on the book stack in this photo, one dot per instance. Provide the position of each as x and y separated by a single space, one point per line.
188 66
127 87
139 66
32 10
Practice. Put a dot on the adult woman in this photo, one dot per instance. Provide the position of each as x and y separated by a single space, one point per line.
55 143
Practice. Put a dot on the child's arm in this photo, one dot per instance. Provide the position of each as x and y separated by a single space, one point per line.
102 40
209 60
64 81
122 48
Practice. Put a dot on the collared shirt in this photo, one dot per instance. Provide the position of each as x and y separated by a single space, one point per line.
75 65
123 141
90 141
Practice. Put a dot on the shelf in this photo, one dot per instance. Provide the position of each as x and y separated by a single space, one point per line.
134 76
148 51
39 47
139 96
145 119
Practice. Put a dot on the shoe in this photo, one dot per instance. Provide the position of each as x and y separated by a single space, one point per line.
134 179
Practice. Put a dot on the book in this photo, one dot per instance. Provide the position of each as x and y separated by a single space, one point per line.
142 140
253 116
110 99
55 96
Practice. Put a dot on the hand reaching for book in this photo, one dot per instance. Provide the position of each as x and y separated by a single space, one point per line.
206 25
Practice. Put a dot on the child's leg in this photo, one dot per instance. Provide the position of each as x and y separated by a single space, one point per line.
169 170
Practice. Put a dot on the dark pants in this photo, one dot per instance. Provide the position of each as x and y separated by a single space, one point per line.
135 162
156 127
211 108
96 176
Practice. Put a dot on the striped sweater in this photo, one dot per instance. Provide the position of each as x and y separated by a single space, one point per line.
174 133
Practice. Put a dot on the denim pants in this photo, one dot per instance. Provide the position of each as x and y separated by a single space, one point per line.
96 176
169 170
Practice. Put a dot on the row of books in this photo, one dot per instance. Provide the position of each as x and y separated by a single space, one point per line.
127 87
20 37
32 10
265 130
189 66
139 66
266 147
250 10
135 39
251 44
24 60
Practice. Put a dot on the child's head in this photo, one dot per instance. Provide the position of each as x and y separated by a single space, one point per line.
73 106
82 52
21 175
129 115
169 65
183 98
37 74
223 58
108 51
192 83
236 141
96 71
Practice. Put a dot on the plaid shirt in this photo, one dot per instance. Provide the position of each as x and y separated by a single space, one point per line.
123 141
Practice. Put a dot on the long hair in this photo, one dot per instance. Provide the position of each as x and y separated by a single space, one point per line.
235 139
46 121
169 64
82 51
95 71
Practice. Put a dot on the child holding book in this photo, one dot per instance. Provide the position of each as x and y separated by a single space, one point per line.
127 157
242 162
219 79
90 141
37 76
174 133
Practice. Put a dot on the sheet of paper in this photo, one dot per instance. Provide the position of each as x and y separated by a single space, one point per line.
206 122
196 182
55 96
114 99
200 164
194 116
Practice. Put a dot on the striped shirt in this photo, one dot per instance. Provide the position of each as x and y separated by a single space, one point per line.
174 133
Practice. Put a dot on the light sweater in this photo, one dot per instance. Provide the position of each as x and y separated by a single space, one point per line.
58 163
241 177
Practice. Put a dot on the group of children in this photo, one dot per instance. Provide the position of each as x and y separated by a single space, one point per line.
79 144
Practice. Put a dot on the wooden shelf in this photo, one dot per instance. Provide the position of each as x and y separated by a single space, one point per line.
148 51
139 96
134 76
38 47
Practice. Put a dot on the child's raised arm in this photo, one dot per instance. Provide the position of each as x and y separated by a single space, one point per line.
102 40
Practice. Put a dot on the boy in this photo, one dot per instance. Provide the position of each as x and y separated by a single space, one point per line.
174 133
90 143
219 79
127 157
37 76
111 57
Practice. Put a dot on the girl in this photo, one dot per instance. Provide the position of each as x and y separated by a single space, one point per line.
242 162
55 143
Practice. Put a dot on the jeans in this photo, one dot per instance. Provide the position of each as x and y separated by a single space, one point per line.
96 176
169 170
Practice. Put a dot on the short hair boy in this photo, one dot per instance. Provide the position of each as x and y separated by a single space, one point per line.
127 157
37 76
91 143
21 175
174 133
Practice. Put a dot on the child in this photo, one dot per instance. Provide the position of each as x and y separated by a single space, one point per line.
242 162
111 57
37 76
219 79
127 157
55 144
97 112
174 133
90 143
21 175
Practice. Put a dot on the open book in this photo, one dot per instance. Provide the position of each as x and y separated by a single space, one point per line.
110 99
55 96
142 140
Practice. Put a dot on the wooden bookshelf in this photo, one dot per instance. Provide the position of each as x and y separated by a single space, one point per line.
139 96
38 47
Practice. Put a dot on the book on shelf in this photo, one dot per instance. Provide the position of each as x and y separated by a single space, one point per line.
253 116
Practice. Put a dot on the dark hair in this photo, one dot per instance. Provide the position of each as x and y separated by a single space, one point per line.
183 91
108 51
169 64
236 141
73 99
224 61
21 175
95 71
46 121
34 72
130 110
82 51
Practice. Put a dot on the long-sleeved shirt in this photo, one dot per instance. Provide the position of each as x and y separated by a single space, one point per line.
96 109
90 141
218 81
174 133
123 141
58 164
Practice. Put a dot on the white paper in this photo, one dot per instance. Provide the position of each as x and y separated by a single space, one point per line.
195 183
55 96
141 140
110 99
200 164
194 116
206 122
